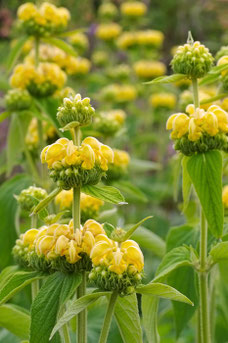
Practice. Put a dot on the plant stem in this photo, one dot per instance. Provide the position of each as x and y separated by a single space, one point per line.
34 221
82 316
108 318
195 92
65 329
76 208
35 288
203 284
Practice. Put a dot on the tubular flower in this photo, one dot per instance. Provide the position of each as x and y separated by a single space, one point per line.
133 9
149 69
41 81
119 167
225 196
194 60
116 266
163 100
200 130
71 165
108 32
44 20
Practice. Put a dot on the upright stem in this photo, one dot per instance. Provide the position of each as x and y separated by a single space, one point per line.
195 92
34 221
108 318
203 284
65 329
76 208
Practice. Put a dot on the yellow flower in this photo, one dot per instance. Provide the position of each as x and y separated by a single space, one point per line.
194 130
149 69
221 61
61 245
121 158
117 264
27 11
133 254
126 40
87 155
106 156
179 124
73 252
225 196
108 31
167 100
79 39
53 153
77 65
44 245
224 104
222 117
133 9
210 124
149 38
93 226
64 199
30 236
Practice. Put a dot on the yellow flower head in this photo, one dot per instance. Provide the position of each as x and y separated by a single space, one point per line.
225 196
167 100
149 69
30 236
149 38
27 11
133 9
121 158
179 123
221 61
108 31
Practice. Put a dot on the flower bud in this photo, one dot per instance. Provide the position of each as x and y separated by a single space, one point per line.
75 110
18 100
26 197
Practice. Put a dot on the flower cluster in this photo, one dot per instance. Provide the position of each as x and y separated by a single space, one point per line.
108 31
119 93
42 21
110 122
58 247
89 206
79 41
41 81
119 167
163 100
72 166
146 38
107 10
75 109
199 130
18 100
116 266
149 69
133 9
221 61
193 60
27 196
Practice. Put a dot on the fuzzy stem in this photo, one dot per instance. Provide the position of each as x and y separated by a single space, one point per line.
195 92
108 318
203 283
65 329
82 316
34 221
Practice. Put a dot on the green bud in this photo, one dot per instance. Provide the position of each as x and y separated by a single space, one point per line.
26 197
18 100
75 110
192 59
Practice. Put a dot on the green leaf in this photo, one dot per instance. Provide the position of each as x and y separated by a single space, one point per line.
166 79
143 166
210 78
218 69
176 258
213 98
130 191
15 52
205 171
219 252
186 183
57 289
4 115
61 44
6 274
70 126
106 193
184 280
149 240
149 316
16 282
163 291
109 228
44 203
72 32
133 228
8 206
15 319
128 320
184 234
75 307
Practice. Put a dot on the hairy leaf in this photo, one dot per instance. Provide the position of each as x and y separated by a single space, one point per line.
105 193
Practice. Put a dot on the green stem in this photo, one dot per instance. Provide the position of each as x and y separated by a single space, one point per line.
35 289
65 329
34 221
76 208
82 316
37 43
203 284
195 92
28 156
108 318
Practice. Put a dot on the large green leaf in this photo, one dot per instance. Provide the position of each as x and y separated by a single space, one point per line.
106 193
219 252
15 52
163 291
15 319
149 240
184 280
128 320
6 274
57 289
167 79
75 307
8 205
184 234
205 171
149 316
16 282
176 258
131 230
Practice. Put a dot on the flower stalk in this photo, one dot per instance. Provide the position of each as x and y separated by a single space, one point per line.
108 318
